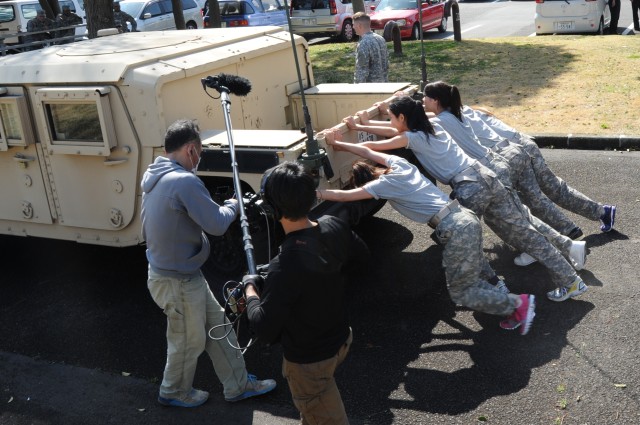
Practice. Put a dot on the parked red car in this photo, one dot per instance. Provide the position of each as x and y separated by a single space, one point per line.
405 14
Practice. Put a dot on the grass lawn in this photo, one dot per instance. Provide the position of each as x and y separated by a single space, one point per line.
550 84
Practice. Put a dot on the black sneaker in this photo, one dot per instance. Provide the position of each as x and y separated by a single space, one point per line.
575 233
608 218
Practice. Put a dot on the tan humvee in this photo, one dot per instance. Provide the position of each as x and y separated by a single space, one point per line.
80 123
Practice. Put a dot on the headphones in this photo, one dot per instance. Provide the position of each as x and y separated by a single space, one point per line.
277 214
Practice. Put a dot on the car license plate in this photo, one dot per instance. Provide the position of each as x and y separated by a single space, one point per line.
309 21
564 25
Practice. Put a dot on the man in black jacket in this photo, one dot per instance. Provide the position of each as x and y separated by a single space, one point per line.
303 304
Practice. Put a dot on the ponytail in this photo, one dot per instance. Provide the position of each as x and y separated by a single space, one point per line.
448 96
413 111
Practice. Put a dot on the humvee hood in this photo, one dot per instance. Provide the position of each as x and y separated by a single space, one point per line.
159 168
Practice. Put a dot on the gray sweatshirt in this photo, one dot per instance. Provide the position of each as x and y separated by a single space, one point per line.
176 208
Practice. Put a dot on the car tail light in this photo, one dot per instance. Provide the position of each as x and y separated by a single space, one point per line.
238 23
539 1
332 7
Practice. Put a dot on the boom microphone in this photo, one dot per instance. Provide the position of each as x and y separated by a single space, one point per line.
230 83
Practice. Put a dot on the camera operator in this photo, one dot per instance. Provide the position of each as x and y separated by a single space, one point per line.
176 210
303 304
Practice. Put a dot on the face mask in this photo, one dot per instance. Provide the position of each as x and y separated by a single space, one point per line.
195 167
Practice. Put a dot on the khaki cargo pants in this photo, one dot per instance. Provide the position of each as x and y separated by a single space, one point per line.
314 390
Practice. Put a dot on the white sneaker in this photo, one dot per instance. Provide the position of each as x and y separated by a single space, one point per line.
578 254
578 287
524 259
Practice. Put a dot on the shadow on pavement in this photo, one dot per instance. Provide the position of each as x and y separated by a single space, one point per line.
398 320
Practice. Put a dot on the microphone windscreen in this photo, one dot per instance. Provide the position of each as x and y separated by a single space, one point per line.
237 85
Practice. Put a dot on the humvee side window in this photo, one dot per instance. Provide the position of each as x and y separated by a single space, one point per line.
71 123
15 124
78 120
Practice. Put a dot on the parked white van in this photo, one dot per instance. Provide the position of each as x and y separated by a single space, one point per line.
572 16
15 14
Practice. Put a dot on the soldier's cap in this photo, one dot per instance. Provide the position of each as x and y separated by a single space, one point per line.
41 13
66 7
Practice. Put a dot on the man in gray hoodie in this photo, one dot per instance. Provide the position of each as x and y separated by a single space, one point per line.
176 211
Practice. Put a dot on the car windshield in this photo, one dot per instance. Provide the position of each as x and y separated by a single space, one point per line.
132 7
397 5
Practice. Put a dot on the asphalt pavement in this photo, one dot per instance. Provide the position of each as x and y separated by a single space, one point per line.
81 342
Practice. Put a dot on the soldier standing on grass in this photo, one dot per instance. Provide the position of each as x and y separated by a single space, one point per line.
372 58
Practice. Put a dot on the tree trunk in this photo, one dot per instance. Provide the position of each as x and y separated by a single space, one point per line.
215 21
50 7
358 6
178 14
99 16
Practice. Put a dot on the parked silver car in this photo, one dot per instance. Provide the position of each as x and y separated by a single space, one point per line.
324 17
157 15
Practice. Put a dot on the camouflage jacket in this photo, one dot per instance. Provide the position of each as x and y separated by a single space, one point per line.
372 61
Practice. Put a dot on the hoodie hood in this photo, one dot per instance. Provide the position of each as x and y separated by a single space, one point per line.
154 173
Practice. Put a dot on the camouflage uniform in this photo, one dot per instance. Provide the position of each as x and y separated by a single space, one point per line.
461 234
67 20
372 61
552 186
479 189
556 188
36 24
524 181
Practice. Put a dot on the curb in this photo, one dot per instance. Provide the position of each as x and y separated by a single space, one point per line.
587 141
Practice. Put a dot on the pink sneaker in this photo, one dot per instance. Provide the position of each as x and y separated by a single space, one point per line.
523 316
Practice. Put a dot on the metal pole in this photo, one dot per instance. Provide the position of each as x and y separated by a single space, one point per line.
423 60
314 157
244 221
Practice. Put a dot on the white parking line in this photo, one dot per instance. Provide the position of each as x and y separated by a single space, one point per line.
628 30
463 31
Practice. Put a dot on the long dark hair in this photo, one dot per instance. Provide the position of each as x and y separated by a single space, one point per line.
413 111
363 171
448 96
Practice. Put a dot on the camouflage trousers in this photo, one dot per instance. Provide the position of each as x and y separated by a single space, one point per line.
511 221
503 169
556 188
461 235
524 181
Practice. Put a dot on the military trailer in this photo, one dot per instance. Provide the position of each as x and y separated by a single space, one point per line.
80 123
